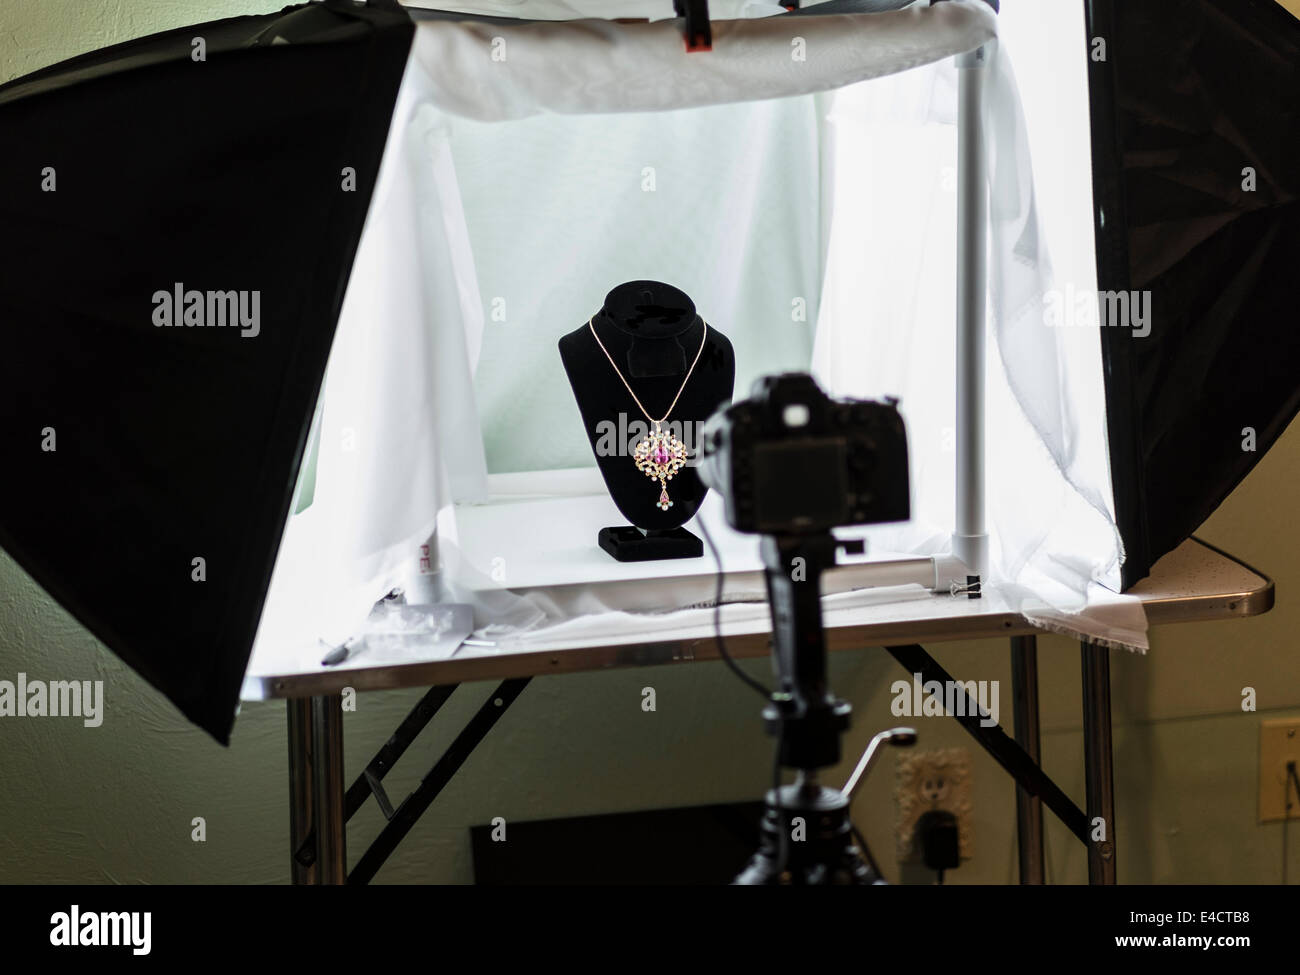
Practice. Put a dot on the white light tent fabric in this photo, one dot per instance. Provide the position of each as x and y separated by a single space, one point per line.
517 188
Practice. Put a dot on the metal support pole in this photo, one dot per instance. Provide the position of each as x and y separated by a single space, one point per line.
327 789
1029 808
1098 767
970 538
302 859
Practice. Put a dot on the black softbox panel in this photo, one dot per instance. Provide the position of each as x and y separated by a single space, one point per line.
176 443
1192 93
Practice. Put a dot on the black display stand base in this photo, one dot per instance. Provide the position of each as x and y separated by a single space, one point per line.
630 544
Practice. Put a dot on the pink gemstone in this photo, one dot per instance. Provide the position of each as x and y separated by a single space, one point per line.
663 496
660 455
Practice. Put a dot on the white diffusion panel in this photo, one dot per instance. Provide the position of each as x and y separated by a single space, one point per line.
887 310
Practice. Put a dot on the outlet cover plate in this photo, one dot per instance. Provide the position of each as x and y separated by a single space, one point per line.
937 779
1279 743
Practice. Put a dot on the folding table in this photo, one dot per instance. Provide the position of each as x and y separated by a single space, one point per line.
1195 582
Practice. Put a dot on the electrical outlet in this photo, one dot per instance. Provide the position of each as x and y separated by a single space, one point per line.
939 779
1279 743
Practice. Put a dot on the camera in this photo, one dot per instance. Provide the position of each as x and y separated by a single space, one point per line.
790 460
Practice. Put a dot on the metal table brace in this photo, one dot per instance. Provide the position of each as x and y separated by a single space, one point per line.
1020 756
320 810
319 816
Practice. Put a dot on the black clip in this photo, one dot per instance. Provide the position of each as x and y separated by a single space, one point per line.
699 32
380 795
853 546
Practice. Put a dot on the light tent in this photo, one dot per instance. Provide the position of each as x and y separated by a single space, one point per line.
423 202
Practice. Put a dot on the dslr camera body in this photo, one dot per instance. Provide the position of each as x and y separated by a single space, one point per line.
792 461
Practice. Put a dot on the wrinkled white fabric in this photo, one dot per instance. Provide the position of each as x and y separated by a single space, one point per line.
593 9
495 72
1053 536
398 428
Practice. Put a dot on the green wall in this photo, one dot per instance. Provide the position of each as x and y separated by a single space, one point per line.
114 804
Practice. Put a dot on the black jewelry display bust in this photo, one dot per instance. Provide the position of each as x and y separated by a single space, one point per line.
652 333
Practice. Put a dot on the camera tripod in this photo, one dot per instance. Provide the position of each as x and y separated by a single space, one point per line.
807 835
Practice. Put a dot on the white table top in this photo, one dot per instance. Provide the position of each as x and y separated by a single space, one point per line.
1194 582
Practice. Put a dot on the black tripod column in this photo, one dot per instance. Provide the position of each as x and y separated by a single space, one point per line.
813 719
807 837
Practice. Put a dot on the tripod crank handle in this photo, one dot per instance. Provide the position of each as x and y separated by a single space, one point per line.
900 737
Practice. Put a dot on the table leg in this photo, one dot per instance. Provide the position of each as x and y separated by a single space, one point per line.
1029 808
302 857
327 789
1098 762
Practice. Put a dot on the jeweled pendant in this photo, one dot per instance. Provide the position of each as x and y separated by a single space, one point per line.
660 455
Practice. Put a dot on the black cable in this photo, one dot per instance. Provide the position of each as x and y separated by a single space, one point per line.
717 618
782 851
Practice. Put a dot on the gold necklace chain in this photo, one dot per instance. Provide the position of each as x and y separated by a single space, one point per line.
644 411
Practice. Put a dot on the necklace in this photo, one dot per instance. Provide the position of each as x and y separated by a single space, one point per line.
658 455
